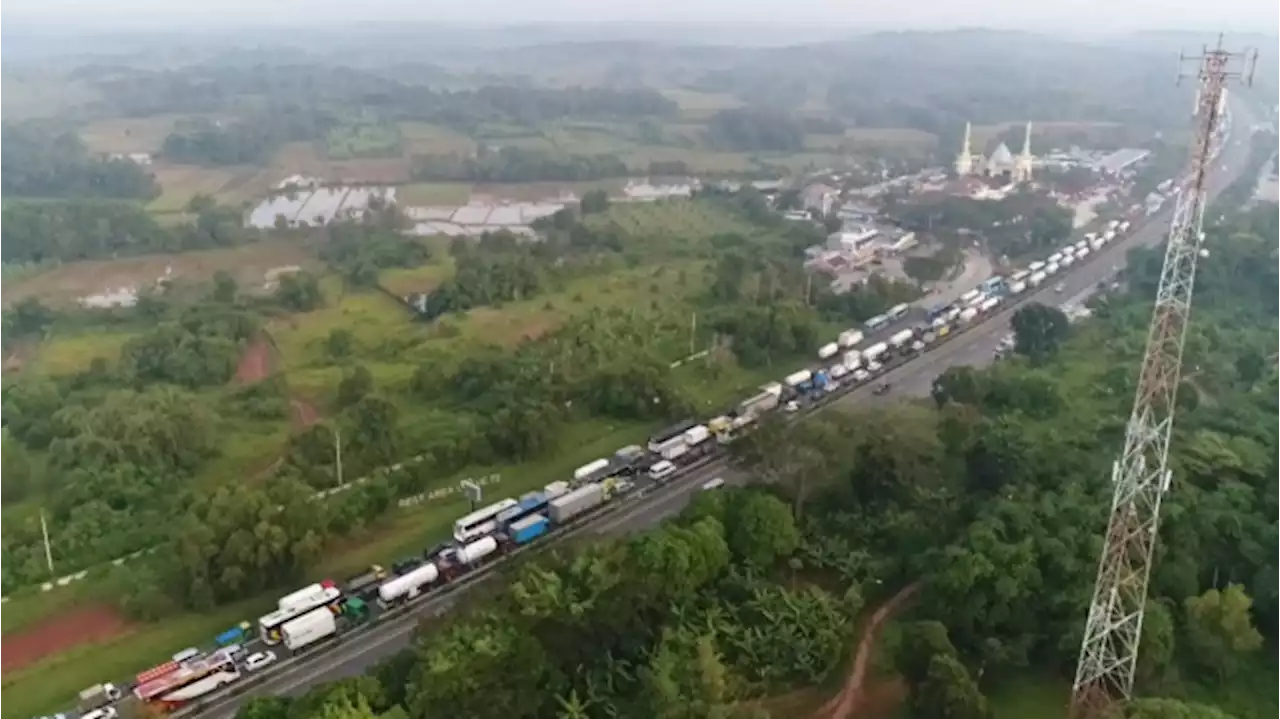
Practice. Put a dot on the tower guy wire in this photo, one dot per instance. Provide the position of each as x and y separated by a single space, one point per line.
1140 476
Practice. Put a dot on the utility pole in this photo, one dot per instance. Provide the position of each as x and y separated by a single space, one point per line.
693 335
48 551
337 453
1140 477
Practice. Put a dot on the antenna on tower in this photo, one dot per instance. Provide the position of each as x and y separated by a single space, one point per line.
1140 477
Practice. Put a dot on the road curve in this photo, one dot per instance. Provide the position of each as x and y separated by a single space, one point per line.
914 379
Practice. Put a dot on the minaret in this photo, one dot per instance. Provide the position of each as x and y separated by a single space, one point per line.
1022 168
964 161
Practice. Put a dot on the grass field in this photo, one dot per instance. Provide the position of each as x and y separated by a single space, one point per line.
248 264
363 139
421 138
179 183
129 134
881 138
302 158
73 353
433 193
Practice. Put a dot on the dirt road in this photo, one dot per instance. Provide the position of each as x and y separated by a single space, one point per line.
845 704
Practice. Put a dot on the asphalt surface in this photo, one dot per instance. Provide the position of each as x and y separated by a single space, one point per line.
975 347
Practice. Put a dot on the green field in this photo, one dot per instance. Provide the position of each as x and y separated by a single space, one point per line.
363 139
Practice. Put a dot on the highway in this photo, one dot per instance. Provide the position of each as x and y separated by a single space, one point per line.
914 379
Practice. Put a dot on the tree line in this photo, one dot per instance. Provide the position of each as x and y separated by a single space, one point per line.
39 162
89 229
1019 225
517 164
992 501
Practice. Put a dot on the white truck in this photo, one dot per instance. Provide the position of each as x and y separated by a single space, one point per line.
1036 279
99 695
989 305
1035 267
1055 258
796 379
828 350
1019 276
849 338
1097 242
309 629
1124 226
969 314
852 360
1018 287
872 353
1052 268
970 297
901 339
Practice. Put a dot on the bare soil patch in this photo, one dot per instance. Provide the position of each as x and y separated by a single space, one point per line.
59 633
305 414
255 363
853 696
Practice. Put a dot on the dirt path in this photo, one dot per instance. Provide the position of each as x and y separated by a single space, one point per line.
255 363
59 633
305 414
842 705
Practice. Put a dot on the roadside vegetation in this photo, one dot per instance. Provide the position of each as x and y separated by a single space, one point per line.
988 499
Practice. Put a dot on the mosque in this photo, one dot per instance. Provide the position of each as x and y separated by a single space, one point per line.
1001 165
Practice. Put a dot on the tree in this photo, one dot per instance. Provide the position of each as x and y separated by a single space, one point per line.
1219 629
594 201
963 384
948 692
1171 709
1158 644
299 291
1039 331
224 287
355 385
760 529
339 343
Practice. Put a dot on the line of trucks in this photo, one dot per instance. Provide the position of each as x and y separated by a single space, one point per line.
321 611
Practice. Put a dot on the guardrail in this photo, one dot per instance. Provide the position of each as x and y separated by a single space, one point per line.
631 498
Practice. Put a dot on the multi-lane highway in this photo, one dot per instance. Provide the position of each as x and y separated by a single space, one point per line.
914 379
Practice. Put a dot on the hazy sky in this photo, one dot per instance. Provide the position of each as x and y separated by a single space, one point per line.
1071 16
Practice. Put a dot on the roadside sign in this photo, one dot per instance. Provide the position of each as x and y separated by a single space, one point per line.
472 490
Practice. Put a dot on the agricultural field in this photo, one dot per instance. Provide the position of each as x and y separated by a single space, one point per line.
248 264
302 158
228 186
363 139
421 138
433 193
129 134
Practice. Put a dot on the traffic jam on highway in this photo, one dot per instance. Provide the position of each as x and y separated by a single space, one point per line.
303 620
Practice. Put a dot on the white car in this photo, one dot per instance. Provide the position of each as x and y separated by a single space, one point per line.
716 483
861 375
875 367
185 654
259 660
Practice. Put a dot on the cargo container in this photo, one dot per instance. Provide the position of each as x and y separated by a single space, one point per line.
873 352
408 586
1035 266
1052 268
590 468
528 529
674 433
99 695
1036 279
766 401
849 338
901 338
852 360
970 297
309 629
989 305
696 436
1018 287
828 350
576 503
559 487
235 635
1055 258
796 379
1068 261
968 315
1019 276
674 450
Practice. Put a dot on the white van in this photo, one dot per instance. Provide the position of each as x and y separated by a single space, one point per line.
716 483
661 470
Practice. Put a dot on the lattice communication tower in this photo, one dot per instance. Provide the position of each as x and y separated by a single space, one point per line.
1109 650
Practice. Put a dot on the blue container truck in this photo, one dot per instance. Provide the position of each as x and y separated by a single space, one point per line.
234 635
528 529
821 382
